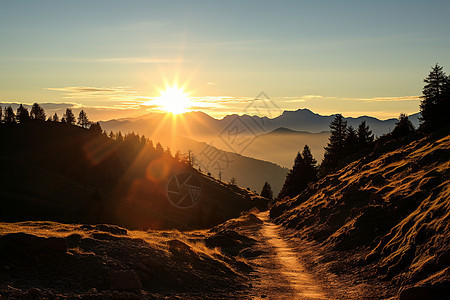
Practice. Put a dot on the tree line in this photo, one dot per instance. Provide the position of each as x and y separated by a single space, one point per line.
37 113
345 142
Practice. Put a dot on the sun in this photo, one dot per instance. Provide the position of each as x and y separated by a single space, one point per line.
174 100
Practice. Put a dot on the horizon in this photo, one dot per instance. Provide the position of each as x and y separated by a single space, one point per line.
50 110
118 60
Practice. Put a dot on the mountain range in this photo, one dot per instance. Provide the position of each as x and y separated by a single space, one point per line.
250 143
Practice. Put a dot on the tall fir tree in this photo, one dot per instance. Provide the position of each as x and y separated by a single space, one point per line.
435 105
37 112
83 120
365 136
351 141
334 151
310 169
22 114
69 117
302 173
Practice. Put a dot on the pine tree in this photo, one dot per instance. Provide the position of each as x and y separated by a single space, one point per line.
365 136
112 135
310 171
119 137
55 118
351 141
266 191
69 117
435 105
9 117
334 151
22 114
1 114
403 127
83 120
303 172
37 112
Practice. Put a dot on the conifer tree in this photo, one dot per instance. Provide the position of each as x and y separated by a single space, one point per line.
22 114
403 127
303 172
37 112
55 118
266 191
365 136
334 151
310 171
119 137
435 105
9 117
351 141
83 120
69 117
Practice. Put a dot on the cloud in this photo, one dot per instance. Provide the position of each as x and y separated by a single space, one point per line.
390 99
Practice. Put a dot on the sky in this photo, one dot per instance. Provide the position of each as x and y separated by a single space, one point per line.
115 57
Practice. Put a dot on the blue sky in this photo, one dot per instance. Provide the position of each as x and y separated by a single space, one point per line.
352 57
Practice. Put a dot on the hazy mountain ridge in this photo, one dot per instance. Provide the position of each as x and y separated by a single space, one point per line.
384 216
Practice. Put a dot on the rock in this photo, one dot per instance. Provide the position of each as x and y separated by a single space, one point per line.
125 280
31 243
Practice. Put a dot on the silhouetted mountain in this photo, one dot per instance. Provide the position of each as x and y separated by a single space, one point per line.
61 172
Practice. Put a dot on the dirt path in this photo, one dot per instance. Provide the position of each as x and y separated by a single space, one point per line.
281 274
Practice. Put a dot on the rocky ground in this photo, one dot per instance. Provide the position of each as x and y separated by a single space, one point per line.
245 258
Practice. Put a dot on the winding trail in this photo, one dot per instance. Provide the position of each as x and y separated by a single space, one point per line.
281 275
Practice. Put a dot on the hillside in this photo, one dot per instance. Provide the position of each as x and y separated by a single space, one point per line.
64 173
384 216
109 262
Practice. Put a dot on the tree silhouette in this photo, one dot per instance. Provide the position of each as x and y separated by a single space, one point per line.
435 105
22 114
335 147
351 141
55 118
83 120
69 117
1 114
267 191
403 127
37 112
9 117
365 136
303 172
96 128
119 137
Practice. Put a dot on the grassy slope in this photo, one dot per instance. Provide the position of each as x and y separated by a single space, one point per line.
387 215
